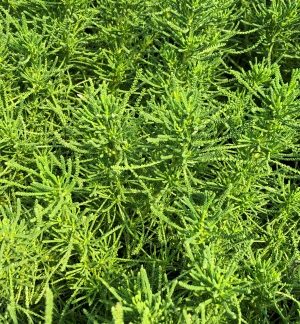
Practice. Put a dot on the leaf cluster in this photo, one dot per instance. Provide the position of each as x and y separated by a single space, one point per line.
149 161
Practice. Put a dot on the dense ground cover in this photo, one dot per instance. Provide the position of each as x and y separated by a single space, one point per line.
149 161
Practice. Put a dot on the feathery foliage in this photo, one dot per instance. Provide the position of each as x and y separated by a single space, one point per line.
149 161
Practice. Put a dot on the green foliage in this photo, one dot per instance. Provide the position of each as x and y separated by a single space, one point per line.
149 161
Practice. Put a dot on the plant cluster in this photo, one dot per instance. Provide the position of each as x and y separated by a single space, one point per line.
149 161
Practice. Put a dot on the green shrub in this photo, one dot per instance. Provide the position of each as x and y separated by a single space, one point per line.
149 161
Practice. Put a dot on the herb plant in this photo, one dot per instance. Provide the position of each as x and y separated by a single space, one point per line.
149 161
